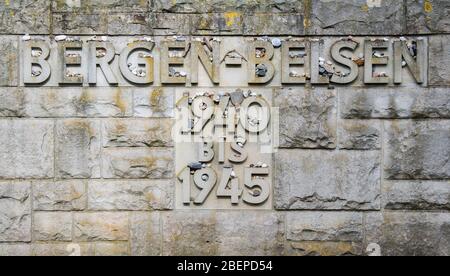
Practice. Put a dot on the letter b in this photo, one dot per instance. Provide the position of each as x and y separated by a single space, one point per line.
30 60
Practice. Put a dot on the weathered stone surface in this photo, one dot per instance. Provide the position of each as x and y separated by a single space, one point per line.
307 118
359 135
326 180
78 102
330 226
410 233
427 16
14 250
106 183
222 233
138 163
52 249
26 148
85 249
12 103
9 60
15 212
78 146
157 102
95 5
396 103
250 233
439 60
29 16
108 249
145 234
76 23
320 248
350 17
130 24
273 24
59 196
101 227
417 195
131 195
137 133
103 22
417 150
171 23
249 6
52 226
217 23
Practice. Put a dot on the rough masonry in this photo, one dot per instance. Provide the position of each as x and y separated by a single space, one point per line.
359 98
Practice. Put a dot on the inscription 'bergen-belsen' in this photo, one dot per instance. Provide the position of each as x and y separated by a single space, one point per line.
260 66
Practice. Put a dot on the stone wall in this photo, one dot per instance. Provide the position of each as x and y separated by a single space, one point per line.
93 168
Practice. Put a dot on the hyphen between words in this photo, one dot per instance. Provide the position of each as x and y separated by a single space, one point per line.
300 60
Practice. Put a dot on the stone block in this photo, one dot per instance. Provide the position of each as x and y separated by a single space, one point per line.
52 226
439 60
247 6
26 147
355 17
135 163
131 195
15 212
359 135
330 226
54 249
81 249
78 145
171 24
130 24
158 102
427 16
21 17
9 60
101 227
251 233
108 249
230 23
320 248
59 196
137 133
103 22
96 5
417 150
416 195
400 103
76 23
145 234
78 102
273 24
410 233
307 118
327 180
15 249
12 103
222 233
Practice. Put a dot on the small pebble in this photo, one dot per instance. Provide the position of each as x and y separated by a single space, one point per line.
195 166
60 37
276 42
233 174
256 193
26 37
